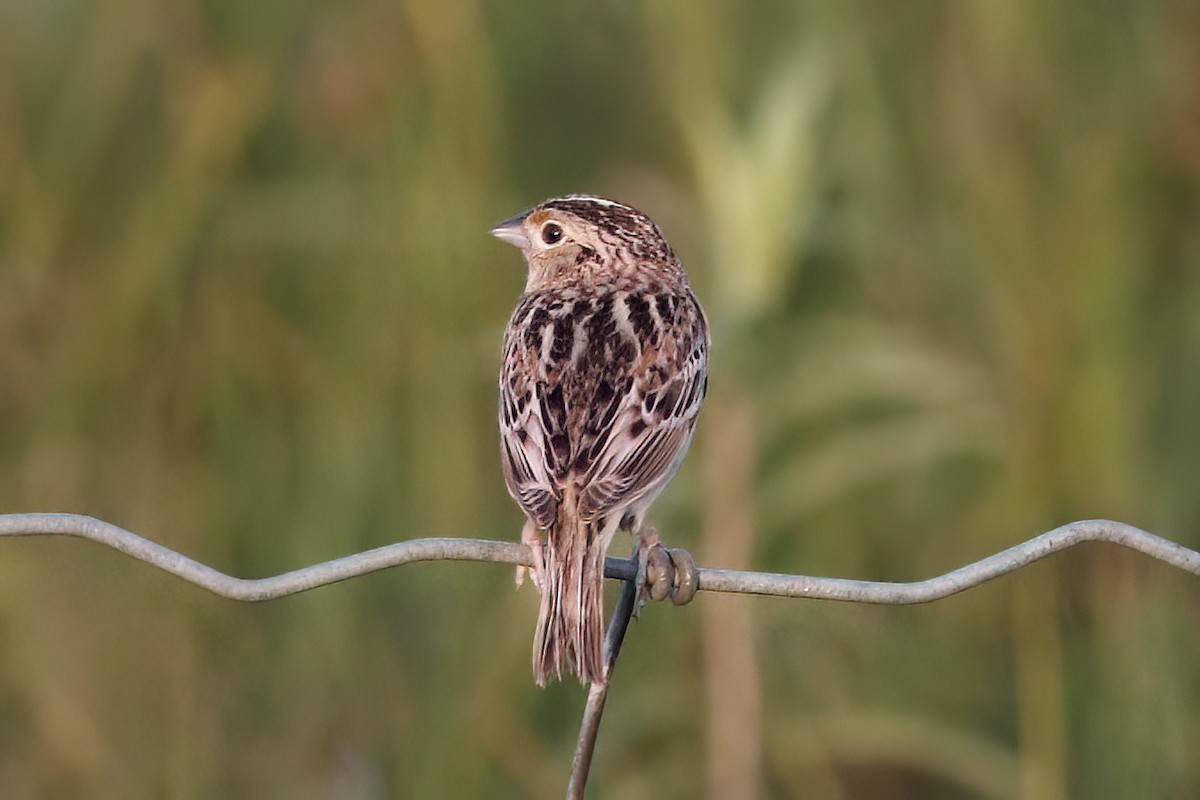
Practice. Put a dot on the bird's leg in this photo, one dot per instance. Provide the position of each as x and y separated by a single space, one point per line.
530 538
646 548
662 573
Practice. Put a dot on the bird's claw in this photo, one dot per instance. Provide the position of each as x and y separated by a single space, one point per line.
530 538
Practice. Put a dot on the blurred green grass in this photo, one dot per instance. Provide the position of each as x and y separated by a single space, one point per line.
248 307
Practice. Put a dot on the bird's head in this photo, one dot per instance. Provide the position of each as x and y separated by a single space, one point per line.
582 239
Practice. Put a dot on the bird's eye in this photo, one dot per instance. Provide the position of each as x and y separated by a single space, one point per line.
552 232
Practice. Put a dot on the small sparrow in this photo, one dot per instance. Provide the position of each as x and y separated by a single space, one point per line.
605 369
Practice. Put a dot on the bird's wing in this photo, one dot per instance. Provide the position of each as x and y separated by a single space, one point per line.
526 428
613 426
640 438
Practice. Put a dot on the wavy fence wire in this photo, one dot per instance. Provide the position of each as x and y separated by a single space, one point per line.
713 580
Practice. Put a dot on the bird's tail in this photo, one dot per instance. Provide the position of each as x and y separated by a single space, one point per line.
570 624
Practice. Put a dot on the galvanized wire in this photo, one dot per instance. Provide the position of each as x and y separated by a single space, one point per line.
712 580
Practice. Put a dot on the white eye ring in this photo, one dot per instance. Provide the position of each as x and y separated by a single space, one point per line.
552 232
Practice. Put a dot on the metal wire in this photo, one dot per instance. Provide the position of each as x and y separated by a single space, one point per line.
593 710
712 580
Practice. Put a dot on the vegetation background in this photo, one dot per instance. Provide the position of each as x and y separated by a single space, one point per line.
249 308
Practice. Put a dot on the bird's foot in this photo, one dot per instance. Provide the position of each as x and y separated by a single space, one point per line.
530 538
662 572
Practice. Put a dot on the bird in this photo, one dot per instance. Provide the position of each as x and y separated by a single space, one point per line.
604 371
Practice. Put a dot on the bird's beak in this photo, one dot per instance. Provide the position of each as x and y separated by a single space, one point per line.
513 231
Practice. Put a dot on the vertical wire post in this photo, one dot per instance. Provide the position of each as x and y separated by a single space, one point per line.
589 728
